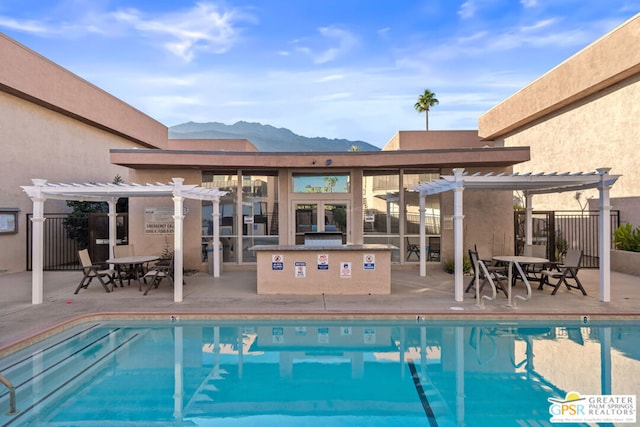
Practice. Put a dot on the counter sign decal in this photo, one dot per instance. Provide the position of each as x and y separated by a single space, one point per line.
345 270
369 261
301 269
277 262
323 261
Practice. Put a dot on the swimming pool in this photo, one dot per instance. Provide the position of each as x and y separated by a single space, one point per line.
309 372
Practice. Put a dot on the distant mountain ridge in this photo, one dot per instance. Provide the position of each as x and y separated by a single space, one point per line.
264 137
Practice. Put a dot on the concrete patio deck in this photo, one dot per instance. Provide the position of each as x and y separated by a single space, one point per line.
234 294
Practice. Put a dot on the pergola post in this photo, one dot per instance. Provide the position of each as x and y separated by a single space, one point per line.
458 238
178 217
423 238
216 238
528 219
37 242
605 235
112 226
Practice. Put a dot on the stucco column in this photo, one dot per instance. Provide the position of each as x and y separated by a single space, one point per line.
216 237
37 242
178 217
605 236
458 238
423 238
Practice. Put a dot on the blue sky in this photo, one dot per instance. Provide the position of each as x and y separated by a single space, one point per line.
335 68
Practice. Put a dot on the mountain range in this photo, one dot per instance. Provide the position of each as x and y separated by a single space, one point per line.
264 137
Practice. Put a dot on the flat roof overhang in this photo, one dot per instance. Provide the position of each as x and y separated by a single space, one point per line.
437 158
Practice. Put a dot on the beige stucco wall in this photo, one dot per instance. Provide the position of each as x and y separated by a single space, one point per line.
30 75
581 115
148 244
433 139
487 223
211 144
602 130
40 143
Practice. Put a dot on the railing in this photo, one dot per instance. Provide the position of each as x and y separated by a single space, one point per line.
12 394
562 230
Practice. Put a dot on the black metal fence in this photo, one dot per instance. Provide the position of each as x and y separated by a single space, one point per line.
60 252
562 230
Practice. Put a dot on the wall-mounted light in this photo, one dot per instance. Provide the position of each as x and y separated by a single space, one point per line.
313 162
328 162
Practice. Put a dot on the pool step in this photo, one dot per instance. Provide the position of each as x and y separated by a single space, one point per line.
40 375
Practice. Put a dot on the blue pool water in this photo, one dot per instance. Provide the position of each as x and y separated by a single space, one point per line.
311 373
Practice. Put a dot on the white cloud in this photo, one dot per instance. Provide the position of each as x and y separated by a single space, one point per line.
342 43
467 9
29 26
202 28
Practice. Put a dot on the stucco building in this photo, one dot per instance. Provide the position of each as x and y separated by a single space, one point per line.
582 114
57 126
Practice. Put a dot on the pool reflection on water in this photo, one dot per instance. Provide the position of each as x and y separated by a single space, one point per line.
312 372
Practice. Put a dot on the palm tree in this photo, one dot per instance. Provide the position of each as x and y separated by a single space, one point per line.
425 101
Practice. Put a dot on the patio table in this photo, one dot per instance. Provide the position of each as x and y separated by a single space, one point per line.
133 266
518 261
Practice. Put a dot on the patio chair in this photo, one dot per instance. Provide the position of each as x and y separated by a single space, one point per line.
121 251
412 249
564 273
125 271
434 249
532 271
94 271
497 274
159 271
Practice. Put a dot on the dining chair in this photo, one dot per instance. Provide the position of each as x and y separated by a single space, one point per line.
566 272
158 272
496 273
412 248
94 271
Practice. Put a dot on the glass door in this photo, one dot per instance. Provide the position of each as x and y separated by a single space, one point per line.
319 217
306 215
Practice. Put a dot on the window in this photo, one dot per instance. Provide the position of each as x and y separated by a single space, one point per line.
335 183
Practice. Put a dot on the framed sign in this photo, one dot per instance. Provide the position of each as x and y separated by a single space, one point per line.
9 220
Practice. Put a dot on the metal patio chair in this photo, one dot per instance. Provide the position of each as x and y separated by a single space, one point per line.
566 273
94 271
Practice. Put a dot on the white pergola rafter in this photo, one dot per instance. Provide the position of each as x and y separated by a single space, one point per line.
41 190
530 184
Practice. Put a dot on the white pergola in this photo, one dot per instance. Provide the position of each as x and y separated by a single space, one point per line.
40 191
530 184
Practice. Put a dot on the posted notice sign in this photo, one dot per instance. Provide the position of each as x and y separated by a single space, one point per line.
277 262
345 270
300 269
323 261
369 261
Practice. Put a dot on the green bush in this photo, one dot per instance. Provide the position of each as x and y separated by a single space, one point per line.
627 238
449 266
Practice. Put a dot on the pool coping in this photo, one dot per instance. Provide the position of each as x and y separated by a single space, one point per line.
177 317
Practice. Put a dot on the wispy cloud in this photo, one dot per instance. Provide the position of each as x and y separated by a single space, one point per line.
342 41
204 27
29 26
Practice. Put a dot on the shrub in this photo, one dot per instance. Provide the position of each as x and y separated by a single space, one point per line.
449 266
627 238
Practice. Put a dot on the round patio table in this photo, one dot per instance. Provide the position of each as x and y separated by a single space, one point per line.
132 266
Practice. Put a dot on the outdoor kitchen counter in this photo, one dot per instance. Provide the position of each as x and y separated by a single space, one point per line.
316 270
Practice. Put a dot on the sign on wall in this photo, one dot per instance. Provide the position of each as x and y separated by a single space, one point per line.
159 220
